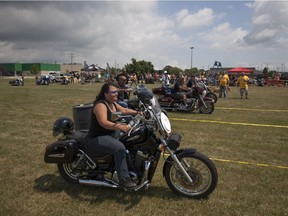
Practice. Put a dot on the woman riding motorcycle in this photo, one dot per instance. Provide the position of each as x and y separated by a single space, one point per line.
102 132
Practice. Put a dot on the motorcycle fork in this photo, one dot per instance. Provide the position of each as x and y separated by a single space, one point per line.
179 165
202 100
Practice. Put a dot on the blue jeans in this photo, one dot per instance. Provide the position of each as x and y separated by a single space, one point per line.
222 90
109 144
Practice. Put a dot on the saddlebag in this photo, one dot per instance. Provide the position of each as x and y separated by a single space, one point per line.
61 151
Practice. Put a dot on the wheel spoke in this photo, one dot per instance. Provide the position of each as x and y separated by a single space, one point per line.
197 170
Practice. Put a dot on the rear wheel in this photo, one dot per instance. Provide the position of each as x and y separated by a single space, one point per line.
208 109
201 170
68 173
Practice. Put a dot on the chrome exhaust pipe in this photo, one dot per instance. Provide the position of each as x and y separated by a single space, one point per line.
97 183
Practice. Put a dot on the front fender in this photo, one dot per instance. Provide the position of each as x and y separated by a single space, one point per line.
179 153
208 99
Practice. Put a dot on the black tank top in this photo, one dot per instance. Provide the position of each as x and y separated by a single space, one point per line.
96 129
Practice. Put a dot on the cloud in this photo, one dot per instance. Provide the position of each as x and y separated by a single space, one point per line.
114 32
201 18
225 37
98 32
269 23
73 26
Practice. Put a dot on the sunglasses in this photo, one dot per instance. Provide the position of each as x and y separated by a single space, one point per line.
113 92
123 79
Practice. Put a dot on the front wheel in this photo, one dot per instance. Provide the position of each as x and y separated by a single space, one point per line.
213 96
208 109
201 170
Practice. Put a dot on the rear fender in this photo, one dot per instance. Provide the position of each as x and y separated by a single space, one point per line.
179 153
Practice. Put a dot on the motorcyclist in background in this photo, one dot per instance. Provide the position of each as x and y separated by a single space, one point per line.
123 90
180 90
191 82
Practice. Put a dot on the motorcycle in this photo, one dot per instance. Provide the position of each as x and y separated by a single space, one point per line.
209 91
44 80
16 82
64 80
196 99
187 171
260 82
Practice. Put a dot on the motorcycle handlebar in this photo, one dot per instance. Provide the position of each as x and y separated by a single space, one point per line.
134 122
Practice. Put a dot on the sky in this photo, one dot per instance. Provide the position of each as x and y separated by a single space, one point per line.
235 33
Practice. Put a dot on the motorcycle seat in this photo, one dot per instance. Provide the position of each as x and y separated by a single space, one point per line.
81 137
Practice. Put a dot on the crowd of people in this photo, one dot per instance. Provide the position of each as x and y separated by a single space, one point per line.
181 83
125 81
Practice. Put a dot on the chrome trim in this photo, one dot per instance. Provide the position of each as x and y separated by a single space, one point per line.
56 155
97 183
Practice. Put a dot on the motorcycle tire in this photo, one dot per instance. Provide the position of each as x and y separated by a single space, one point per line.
213 96
202 171
66 171
208 109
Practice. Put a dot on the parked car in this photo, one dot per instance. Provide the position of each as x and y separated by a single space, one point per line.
55 76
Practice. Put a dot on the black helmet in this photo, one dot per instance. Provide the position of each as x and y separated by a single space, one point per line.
62 125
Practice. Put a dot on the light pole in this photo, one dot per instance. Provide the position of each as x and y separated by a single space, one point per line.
55 66
191 57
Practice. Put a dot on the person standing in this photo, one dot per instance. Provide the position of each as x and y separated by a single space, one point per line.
102 132
165 79
242 82
22 77
223 84
133 79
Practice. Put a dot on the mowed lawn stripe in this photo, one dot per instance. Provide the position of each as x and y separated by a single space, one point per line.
231 123
249 163
247 109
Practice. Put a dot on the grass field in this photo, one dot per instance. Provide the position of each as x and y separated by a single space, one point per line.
247 140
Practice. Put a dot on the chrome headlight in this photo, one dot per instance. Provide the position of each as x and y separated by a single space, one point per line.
165 123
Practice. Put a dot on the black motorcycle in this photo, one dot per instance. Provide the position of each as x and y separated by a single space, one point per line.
44 80
16 82
186 171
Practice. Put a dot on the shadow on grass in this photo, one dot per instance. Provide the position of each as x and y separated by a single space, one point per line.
232 98
53 183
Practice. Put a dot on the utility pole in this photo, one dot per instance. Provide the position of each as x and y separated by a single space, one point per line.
191 57
71 57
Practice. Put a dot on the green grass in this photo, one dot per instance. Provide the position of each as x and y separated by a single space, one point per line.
28 186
